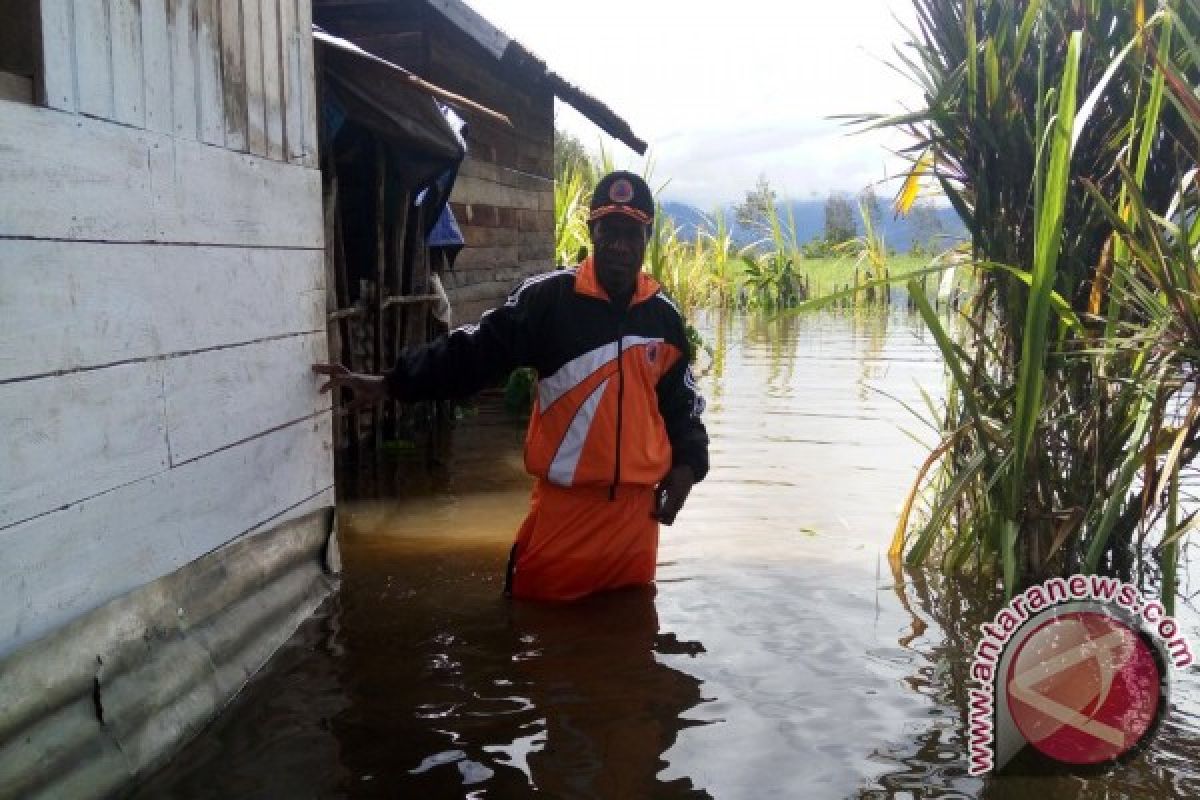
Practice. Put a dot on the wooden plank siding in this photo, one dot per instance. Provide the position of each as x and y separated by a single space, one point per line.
128 74
273 64
79 436
181 53
61 564
161 297
158 89
459 64
402 49
258 387
210 97
91 64
57 73
92 306
256 106
292 83
507 221
93 180
235 73
504 195
308 155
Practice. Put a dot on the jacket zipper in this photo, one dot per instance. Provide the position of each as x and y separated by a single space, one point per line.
612 492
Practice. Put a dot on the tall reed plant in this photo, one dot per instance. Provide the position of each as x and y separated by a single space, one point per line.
1048 127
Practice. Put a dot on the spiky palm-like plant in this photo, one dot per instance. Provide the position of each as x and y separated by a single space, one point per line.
1045 124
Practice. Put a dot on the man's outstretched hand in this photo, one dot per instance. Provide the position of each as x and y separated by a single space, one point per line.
673 492
369 390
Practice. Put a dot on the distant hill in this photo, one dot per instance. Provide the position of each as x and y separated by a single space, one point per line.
899 233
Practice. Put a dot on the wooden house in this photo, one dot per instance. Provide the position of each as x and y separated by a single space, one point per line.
503 199
166 482
168 272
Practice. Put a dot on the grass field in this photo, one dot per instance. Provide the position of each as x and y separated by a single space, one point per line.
827 275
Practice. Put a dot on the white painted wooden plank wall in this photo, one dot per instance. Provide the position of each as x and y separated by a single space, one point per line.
161 298
293 105
58 54
79 435
273 65
87 179
184 63
256 387
158 86
63 564
92 63
235 73
129 77
308 89
256 112
210 98
322 499
76 436
76 305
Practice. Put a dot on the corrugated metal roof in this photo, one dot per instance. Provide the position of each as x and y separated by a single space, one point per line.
508 50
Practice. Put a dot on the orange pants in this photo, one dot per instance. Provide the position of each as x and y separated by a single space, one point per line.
577 541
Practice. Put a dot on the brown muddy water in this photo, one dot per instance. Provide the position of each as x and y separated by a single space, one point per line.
778 656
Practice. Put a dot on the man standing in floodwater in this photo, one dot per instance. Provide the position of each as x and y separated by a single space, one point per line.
615 440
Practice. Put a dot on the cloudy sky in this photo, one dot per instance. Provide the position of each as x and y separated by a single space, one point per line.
726 92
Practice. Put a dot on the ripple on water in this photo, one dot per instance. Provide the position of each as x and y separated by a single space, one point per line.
779 656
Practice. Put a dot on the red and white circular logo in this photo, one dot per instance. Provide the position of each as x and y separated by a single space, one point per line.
1084 688
621 191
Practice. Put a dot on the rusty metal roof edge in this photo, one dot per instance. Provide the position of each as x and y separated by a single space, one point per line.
504 48
596 111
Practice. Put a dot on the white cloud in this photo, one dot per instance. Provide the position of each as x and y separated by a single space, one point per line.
725 92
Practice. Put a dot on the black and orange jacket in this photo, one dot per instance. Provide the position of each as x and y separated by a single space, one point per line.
616 400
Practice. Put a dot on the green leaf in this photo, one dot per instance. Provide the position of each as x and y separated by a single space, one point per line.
1030 377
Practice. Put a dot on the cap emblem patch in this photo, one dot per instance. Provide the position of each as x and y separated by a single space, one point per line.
621 191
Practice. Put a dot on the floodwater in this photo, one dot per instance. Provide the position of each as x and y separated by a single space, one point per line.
778 655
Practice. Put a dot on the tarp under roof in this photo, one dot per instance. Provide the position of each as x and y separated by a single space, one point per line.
368 91
423 138
509 51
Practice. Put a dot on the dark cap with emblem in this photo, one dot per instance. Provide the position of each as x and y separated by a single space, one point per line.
625 193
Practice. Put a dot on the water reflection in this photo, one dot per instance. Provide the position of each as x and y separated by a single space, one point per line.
419 679
612 709
781 656
454 689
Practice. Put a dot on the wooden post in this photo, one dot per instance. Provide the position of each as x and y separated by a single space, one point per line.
376 312
396 261
332 334
415 329
349 418
416 318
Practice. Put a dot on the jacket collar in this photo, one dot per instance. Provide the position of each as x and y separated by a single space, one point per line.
587 283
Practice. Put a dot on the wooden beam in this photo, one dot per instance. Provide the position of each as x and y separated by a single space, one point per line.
415 81
380 267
